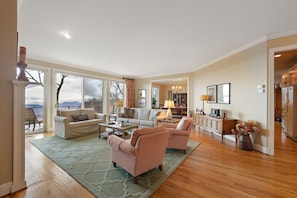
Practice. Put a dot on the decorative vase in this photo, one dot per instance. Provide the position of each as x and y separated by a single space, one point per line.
245 143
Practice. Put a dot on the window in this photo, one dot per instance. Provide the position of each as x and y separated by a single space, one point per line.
155 97
117 96
79 92
93 94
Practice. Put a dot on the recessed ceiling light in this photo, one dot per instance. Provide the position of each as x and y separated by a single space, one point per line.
67 35
277 55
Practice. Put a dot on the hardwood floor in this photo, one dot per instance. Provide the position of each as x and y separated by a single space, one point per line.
212 170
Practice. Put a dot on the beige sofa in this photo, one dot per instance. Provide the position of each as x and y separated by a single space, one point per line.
143 117
77 122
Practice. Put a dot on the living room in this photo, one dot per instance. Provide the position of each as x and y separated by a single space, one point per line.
244 69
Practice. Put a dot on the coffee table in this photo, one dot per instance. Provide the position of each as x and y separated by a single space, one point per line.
117 129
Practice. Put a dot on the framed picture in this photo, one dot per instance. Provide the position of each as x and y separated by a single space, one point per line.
141 93
224 93
141 102
212 94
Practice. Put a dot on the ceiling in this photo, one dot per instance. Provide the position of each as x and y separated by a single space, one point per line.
144 38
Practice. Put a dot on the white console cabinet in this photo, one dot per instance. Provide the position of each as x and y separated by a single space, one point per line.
215 125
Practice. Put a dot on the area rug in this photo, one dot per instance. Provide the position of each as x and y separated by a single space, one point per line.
88 160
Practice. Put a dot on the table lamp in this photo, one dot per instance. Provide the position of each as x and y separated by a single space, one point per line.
169 104
119 105
203 98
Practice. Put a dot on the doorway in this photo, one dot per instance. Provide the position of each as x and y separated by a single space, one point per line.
285 59
34 101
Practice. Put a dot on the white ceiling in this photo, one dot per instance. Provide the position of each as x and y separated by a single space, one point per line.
143 38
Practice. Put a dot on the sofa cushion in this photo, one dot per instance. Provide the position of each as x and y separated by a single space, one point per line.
73 125
128 113
184 123
144 114
144 131
146 123
134 121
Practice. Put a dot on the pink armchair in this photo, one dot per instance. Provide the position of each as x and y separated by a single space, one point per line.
144 151
179 133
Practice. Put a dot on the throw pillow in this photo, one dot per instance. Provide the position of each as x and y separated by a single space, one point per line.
128 113
81 117
183 123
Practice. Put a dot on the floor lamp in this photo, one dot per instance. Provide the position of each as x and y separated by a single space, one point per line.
203 98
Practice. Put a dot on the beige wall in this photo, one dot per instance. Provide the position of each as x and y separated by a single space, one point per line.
8 40
244 71
283 41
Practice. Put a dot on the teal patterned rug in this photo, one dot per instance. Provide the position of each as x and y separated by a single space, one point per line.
88 160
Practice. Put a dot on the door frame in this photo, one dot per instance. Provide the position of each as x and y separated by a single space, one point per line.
270 113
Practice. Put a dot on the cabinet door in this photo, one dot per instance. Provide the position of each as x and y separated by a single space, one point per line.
204 122
214 125
220 126
209 123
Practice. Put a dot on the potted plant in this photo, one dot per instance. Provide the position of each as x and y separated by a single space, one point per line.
154 102
244 131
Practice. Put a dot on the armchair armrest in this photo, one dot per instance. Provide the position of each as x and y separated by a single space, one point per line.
179 132
118 143
168 125
100 116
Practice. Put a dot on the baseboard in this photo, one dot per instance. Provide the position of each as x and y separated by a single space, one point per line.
18 186
5 189
260 148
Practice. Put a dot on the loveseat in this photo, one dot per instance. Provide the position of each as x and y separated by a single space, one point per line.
143 117
77 122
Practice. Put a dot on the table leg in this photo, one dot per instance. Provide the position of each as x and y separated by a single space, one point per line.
99 131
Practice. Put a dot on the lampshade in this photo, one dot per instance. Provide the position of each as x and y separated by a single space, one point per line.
169 104
119 103
204 97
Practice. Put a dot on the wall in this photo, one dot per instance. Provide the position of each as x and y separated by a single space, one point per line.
145 83
244 71
282 41
164 88
8 51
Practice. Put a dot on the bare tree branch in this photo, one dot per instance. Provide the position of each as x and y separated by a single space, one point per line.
59 86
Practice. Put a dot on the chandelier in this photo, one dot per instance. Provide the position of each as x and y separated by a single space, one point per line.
176 88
